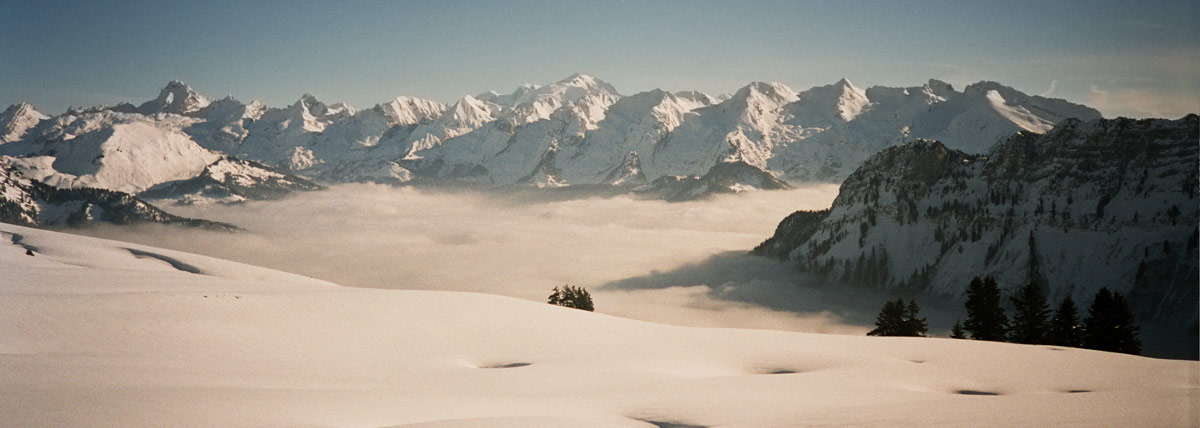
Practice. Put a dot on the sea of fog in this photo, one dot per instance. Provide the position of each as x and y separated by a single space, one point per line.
678 263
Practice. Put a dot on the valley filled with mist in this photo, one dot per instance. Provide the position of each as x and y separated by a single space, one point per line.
680 263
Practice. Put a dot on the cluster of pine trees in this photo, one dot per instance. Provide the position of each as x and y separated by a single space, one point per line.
572 297
898 319
1108 327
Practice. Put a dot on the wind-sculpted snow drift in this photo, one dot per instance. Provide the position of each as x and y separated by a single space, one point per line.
1103 203
578 131
103 333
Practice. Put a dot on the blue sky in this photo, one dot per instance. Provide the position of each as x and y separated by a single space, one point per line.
1125 58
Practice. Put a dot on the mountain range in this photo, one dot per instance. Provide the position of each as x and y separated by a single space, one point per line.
577 131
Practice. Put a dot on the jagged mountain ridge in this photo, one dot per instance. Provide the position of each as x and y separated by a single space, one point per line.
579 130
28 202
132 152
230 180
1086 205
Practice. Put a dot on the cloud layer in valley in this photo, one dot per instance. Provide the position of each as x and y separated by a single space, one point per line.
677 263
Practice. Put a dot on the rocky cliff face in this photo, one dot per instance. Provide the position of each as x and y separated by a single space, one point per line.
1102 203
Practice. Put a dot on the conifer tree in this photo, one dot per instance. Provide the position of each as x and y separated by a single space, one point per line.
1109 326
985 317
1030 315
914 325
957 331
890 321
1065 329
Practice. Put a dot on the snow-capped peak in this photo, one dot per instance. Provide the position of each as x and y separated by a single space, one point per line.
409 110
24 110
938 90
671 110
581 80
309 103
764 93
587 97
175 98
470 112
230 108
18 119
839 101
753 101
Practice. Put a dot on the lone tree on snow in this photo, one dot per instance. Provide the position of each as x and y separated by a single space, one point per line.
571 297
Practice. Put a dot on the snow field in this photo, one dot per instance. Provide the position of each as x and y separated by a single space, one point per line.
94 334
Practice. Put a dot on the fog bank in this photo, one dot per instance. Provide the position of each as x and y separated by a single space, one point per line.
366 235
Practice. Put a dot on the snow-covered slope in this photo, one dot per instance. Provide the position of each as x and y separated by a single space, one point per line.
28 202
126 152
1103 203
230 180
103 333
838 127
173 138
18 119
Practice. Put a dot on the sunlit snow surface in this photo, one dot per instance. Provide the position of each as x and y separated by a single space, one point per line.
102 333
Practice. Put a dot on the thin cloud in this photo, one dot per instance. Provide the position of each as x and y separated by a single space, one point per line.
1143 24
1143 102
1052 90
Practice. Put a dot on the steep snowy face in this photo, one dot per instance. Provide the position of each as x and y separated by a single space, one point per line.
17 120
29 202
280 134
972 121
175 98
126 152
673 108
409 110
464 116
758 103
585 97
469 113
313 115
744 128
18 204
634 124
1050 110
1102 203
822 105
224 124
230 180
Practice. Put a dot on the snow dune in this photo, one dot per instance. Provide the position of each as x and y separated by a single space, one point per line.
103 333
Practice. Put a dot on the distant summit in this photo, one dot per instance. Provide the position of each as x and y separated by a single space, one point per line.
175 98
